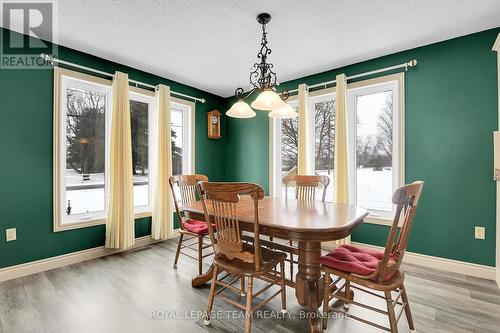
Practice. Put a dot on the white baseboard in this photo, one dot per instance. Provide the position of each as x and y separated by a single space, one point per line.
12 272
42 265
450 265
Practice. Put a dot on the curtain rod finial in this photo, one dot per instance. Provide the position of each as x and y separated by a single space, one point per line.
412 63
47 57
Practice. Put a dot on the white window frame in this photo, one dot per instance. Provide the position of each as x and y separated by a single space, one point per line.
395 83
275 184
317 96
148 97
188 132
61 77
64 78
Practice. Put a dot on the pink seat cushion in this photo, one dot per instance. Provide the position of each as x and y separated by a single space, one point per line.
354 259
195 226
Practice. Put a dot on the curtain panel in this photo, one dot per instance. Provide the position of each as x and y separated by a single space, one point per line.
304 166
120 228
162 224
341 182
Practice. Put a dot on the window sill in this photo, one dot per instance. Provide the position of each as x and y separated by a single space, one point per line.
78 224
370 219
140 215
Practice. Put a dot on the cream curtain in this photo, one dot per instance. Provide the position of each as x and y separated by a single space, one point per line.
120 227
304 166
341 183
340 153
341 191
162 224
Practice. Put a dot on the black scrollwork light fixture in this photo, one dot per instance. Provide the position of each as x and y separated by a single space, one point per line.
262 79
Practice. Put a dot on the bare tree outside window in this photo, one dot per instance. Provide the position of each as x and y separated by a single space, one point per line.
139 126
324 142
176 137
324 145
85 151
374 147
384 123
85 130
140 137
289 144
176 155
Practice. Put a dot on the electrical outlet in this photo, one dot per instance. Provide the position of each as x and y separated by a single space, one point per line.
480 232
10 234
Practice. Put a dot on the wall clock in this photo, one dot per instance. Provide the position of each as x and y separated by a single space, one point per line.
213 121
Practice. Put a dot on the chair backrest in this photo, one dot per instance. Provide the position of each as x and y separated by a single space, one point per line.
222 199
306 186
406 200
186 185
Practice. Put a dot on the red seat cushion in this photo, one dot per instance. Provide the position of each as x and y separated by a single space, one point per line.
195 226
354 259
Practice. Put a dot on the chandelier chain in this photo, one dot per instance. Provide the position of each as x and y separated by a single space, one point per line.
262 76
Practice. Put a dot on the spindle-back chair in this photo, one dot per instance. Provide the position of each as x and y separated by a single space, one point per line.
185 187
239 259
386 276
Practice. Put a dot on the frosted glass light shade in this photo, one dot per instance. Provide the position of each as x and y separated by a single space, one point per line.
285 112
268 100
240 109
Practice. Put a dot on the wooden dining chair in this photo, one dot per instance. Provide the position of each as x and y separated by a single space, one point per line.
240 260
189 229
377 271
305 186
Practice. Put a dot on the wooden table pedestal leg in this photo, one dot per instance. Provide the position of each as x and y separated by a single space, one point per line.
309 282
200 280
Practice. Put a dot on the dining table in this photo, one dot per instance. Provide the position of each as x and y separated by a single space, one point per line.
308 223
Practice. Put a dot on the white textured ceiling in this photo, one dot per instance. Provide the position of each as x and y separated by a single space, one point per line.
211 45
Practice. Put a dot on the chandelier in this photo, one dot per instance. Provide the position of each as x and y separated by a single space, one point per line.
262 79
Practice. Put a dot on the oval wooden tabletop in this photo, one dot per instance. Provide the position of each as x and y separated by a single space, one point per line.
293 219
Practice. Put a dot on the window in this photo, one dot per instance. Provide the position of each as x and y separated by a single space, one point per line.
82 122
177 122
81 133
375 142
321 130
182 136
141 111
286 143
323 127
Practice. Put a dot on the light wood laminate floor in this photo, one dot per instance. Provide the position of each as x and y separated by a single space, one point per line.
139 291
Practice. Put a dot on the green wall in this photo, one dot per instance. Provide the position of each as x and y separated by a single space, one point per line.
26 159
451 112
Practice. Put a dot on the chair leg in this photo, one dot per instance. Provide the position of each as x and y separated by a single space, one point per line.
409 317
200 255
242 287
390 312
178 250
211 297
248 310
349 294
326 300
283 287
